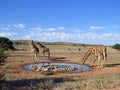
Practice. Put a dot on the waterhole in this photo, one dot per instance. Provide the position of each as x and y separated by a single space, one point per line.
71 67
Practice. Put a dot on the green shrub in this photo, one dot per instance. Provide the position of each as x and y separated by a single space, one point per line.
116 46
3 56
79 49
6 44
7 66
68 49
110 65
49 72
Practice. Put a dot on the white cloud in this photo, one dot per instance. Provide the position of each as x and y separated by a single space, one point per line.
78 30
50 29
47 29
61 28
116 26
96 28
9 25
53 29
20 25
7 34
36 29
52 34
43 34
4 28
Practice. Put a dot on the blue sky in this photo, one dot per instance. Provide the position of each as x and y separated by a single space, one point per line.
79 21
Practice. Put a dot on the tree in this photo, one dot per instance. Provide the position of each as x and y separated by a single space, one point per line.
3 56
116 46
84 45
6 44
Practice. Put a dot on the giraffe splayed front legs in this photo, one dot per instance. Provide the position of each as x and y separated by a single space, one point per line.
99 53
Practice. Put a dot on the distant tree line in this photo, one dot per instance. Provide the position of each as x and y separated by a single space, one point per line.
20 42
116 46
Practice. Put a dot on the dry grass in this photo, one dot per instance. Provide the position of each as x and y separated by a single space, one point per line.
100 82
18 79
91 83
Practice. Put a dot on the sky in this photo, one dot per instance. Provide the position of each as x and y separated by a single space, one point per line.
78 21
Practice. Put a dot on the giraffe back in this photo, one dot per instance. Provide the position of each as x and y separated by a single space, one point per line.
97 49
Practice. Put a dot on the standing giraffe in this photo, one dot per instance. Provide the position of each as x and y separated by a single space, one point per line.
99 53
34 50
44 49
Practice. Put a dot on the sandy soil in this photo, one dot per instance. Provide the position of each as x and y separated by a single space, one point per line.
15 63
14 67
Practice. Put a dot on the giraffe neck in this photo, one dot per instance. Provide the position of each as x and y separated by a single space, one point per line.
42 46
85 57
33 47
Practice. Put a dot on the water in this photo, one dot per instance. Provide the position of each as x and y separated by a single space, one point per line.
61 65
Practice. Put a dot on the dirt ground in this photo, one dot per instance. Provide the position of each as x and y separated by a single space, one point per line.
14 66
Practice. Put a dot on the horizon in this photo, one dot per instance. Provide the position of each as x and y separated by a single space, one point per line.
77 21
62 42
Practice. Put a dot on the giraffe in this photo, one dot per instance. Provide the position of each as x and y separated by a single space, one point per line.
34 50
100 54
44 49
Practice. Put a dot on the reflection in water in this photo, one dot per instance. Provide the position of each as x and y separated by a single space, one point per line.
60 65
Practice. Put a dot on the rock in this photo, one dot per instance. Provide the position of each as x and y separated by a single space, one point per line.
39 68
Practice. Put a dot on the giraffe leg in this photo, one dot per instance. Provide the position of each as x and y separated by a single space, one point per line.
48 55
43 55
35 57
38 56
99 61
103 63
104 58
93 61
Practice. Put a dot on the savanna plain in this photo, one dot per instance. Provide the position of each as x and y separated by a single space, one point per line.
17 78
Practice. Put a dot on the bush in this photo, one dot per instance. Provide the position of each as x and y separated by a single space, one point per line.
6 44
116 46
3 56
79 49
49 72
68 49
